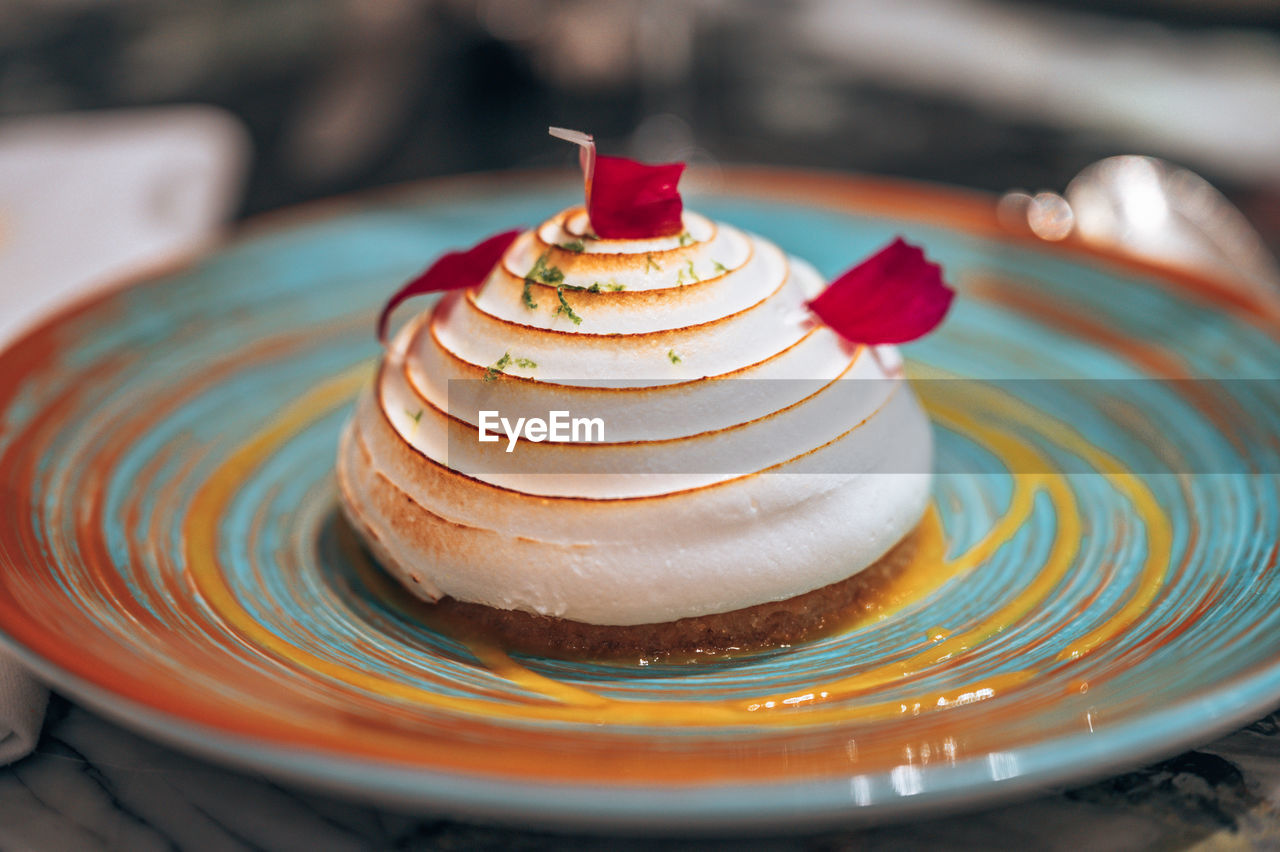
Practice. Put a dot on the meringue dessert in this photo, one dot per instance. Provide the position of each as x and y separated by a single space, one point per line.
750 461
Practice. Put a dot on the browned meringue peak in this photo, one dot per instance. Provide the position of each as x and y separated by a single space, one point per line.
572 227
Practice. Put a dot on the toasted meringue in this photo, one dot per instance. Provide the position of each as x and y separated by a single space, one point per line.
750 455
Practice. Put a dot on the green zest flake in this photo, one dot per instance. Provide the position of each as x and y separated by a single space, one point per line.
416 418
720 267
497 367
596 287
650 263
545 274
685 238
526 364
687 274
575 246
542 274
565 307
675 359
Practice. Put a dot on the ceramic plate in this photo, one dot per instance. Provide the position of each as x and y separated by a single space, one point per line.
1102 592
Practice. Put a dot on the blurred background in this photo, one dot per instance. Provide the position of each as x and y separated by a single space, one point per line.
338 95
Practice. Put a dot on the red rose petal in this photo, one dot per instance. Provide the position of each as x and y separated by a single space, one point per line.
452 271
634 201
891 297
627 200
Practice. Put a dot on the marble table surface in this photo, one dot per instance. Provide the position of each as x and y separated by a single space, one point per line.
94 785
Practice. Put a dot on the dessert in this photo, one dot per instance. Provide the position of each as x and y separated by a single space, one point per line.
749 458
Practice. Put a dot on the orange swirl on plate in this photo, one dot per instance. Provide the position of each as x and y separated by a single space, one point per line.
671 514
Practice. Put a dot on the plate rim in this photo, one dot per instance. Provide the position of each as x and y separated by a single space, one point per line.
778 806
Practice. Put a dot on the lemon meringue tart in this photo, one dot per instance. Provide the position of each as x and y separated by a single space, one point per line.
740 457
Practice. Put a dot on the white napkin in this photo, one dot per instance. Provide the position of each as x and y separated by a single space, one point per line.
125 189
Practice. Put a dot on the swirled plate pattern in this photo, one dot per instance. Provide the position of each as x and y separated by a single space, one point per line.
1096 584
